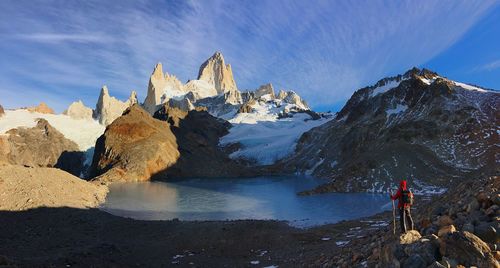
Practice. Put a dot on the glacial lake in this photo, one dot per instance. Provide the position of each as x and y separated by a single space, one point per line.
234 199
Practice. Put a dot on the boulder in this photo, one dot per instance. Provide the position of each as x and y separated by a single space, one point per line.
487 232
469 227
444 221
78 110
41 146
436 265
134 147
409 237
446 230
467 249
496 197
41 108
415 261
426 249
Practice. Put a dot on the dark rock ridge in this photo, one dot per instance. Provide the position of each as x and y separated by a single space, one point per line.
449 232
40 146
134 147
197 135
418 126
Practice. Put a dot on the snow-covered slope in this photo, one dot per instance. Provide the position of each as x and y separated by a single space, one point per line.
82 131
263 136
418 126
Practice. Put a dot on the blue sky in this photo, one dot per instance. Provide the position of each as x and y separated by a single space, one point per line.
62 51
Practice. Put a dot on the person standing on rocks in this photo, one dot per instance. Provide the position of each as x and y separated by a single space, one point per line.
405 201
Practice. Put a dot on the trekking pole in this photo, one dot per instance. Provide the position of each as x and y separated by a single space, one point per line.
393 215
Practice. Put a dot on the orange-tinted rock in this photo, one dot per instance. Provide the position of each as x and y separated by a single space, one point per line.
41 108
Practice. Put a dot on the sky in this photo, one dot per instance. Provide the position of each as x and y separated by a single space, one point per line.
62 51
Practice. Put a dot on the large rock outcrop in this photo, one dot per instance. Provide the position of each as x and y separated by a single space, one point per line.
109 108
197 135
42 108
419 126
78 110
217 73
161 88
135 147
40 146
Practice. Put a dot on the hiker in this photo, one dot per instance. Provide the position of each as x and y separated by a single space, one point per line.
405 201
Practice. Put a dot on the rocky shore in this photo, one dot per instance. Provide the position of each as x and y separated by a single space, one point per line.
45 224
457 229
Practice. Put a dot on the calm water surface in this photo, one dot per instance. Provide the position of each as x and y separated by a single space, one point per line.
230 199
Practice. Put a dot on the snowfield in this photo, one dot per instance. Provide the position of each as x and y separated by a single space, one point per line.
83 132
263 137
382 89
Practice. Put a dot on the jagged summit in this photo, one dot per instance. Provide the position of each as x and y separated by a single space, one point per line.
158 71
217 73
418 125
109 108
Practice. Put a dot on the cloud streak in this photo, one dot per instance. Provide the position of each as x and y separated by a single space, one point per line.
322 49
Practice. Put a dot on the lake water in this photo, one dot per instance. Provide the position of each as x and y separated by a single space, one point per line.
230 199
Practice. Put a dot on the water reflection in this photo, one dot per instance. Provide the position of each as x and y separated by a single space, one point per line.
256 198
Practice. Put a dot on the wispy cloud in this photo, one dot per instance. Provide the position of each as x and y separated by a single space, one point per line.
322 49
57 38
490 66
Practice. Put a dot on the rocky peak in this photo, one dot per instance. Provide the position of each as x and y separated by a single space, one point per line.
132 99
423 126
157 72
2 112
282 94
78 110
426 73
294 98
265 90
217 73
109 108
42 108
161 88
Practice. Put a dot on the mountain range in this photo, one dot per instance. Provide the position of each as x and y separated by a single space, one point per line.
419 126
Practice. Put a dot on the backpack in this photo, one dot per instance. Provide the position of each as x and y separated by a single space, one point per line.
406 197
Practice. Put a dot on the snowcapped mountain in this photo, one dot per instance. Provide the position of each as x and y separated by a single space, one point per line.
417 126
264 126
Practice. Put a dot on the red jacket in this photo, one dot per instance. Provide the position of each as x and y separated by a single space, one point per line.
402 186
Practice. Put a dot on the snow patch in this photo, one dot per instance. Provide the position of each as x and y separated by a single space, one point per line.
342 243
469 87
399 109
382 89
